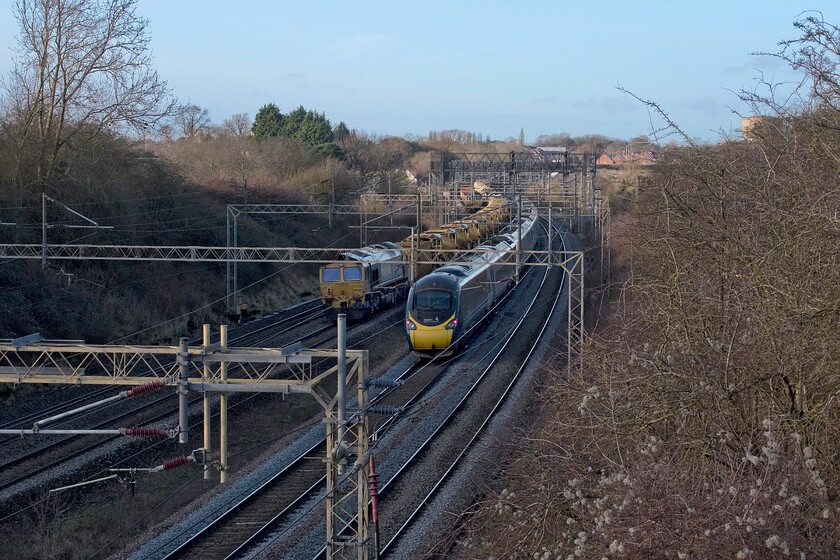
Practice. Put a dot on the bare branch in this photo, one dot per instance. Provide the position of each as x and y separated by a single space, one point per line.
83 66
657 133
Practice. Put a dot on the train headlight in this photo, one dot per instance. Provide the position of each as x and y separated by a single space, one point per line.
409 324
452 325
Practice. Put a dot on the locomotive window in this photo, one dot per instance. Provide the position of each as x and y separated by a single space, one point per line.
433 300
330 275
352 273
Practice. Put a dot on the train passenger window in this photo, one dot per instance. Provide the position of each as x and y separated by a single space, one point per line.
352 273
330 275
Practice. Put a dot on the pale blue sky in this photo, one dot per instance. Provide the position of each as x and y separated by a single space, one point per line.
492 67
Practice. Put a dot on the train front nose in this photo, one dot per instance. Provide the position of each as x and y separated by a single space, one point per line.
430 338
431 309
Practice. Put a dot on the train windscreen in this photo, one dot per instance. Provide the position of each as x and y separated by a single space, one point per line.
433 307
330 275
352 273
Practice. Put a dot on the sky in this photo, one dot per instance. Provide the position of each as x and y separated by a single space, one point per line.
406 67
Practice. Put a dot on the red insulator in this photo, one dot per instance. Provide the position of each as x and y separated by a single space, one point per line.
144 388
145 432
177 462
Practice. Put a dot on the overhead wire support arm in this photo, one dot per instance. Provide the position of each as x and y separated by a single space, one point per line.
45 226
380 216
136 432
122 395
82 216
345 420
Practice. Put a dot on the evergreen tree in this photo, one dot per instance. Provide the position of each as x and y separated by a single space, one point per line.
341 132
305 126
293 122
315 129
268 122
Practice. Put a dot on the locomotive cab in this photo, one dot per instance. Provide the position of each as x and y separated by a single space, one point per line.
369 278
344 284
431 316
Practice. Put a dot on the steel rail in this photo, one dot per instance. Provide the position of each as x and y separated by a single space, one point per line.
31 417
39 451
458 407
184 548
195 540
469 445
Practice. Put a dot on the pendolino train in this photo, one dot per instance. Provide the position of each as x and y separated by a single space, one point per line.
369 278
445 304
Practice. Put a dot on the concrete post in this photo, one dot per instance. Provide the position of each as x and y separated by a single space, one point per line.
207 403
223 410
341 395
183 391
519 237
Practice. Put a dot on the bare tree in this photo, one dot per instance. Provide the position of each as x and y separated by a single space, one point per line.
237 125
192 120
817 52
166 132
83 67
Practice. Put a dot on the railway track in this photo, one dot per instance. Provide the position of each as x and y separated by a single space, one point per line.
274 501
422 388
439 456
248 527
489 411
25 458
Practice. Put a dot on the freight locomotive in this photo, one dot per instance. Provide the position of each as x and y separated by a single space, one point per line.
445 304
369 278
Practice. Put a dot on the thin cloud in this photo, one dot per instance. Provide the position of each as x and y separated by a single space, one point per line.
761 63
609 104
451 55
704 106
360 44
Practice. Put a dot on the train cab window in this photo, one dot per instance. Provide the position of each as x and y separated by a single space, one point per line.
431 307
330 275
352 273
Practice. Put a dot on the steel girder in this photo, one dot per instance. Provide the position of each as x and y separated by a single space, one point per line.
347 465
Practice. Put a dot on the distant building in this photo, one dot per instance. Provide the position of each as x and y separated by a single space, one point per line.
754 128
605 159
621 158
548 153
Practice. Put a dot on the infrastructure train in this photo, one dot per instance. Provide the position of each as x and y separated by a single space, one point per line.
445 304
369 278
475 194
